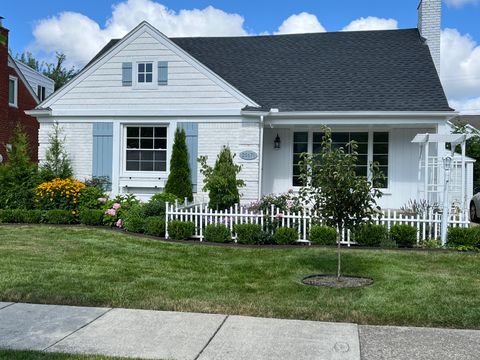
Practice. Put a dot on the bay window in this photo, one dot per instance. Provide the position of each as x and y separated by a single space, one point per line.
371 146
146 148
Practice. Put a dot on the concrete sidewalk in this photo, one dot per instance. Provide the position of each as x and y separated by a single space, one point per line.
174 335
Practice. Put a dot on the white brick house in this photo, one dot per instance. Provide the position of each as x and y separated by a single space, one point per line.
380 88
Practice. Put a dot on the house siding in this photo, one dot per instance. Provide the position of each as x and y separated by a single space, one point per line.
78 145
34 79
187 89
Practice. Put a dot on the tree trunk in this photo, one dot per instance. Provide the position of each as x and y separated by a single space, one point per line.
339 258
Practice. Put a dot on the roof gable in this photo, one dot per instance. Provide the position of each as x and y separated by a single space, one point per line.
144 42
13 64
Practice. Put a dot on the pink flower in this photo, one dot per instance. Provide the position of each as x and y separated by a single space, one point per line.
279 216
116 206
118 223
111 212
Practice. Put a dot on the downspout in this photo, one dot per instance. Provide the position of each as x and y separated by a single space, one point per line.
260 160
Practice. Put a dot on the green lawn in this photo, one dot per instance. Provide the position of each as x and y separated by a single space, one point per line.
80 266
37 355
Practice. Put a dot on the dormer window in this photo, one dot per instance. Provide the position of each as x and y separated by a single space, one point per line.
145 73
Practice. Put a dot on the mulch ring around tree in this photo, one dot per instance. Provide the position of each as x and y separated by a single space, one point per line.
332 281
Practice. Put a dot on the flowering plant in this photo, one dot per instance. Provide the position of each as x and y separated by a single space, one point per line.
59 194
286 202
116 209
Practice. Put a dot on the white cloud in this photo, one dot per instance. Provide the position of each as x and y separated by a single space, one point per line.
80 37
301 23
371 23
468 106
460 3
460 69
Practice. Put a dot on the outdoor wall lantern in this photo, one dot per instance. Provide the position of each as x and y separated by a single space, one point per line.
276 143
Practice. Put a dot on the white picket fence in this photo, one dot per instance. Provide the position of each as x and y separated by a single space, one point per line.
428 226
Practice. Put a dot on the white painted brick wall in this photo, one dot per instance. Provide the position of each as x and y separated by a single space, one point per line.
78 144
239 136
429 21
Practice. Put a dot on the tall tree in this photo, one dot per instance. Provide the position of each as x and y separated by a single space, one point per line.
179 182
221 181
332 187
57 71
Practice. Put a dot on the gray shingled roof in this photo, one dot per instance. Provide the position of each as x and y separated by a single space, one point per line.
389 70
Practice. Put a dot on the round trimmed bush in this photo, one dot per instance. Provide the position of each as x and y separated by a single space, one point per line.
32 216
248 233
155 226
154 208
463 237
217 233
323 235
133 219
92 217
371 235
180 230
404 235
285 236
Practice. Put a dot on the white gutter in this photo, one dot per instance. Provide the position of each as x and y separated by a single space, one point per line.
352 114
39 112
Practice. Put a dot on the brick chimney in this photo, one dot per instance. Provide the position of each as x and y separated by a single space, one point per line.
429 20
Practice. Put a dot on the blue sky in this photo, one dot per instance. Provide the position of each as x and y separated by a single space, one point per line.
260 16
42 27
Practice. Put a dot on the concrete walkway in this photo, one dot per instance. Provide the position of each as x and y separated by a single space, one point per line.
174 335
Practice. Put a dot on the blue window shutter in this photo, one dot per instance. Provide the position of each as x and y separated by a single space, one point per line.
127 74
191 132
102 151
162 73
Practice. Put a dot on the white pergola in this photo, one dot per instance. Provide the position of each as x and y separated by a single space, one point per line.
432 187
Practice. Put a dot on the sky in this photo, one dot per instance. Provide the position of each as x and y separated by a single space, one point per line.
79 28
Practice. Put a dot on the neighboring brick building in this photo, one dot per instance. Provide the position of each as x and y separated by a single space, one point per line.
16 96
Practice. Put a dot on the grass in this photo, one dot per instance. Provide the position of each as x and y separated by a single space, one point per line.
38 355
80 266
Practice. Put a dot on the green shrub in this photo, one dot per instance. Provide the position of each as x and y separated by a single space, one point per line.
248 233
463 238
431 244
179 181
388 244
20 216
285 236
18 174
370 235
221 181
88 198
32 216
323 235
217 233
404 235
134 219
155 226
92 217
165 197
58 216
154 208
180 230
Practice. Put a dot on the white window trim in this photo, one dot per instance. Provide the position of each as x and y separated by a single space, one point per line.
15 93
385 191
145 86
123 157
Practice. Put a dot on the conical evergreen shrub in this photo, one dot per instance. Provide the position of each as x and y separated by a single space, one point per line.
179 182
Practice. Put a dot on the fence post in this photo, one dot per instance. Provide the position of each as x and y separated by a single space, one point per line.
167 207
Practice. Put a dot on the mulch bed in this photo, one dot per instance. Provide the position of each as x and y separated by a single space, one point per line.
332 281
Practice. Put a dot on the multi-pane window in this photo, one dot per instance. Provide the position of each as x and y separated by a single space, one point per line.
12 91
145 72
300 146
41 92
380 155
340 139
146 148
